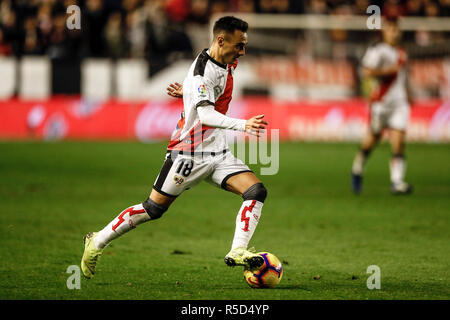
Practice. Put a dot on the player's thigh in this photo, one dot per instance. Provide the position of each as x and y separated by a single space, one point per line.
399 116
177 175
378 118
397 139
370 140
161 199
231 174
397 123
240 182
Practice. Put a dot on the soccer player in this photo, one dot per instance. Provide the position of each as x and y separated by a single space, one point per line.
389 107
198 151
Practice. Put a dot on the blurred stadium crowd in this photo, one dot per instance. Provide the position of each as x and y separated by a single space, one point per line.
158 30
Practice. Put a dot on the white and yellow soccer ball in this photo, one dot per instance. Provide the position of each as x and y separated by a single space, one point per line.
268 275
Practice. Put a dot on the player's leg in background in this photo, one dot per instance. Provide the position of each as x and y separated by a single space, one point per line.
377 122
397 164
368 144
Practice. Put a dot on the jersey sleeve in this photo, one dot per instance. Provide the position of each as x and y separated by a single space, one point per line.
203 94
372 58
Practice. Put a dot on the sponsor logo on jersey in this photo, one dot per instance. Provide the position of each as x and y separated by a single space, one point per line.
178 180
202 89
217 91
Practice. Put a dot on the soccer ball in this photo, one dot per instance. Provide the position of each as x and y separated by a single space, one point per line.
266 276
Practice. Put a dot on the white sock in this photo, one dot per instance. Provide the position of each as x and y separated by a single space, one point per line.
358 163
397 166
128 219
246 222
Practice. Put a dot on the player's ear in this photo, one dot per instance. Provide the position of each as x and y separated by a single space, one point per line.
220 39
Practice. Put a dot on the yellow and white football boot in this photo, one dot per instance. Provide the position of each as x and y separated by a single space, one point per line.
90 256
243 257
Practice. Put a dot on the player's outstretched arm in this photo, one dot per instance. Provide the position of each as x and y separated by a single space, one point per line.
256 125
380 73
409 89
175 90
210 117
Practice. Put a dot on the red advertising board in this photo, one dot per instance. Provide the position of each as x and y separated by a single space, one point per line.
76 119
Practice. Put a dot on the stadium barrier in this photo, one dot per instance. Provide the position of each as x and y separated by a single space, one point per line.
73 118
279 77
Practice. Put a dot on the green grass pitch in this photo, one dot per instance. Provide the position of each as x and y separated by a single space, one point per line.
52 194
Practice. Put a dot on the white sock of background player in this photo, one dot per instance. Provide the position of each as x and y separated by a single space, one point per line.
397 166
359 161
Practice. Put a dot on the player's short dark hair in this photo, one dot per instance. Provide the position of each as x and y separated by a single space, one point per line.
229 24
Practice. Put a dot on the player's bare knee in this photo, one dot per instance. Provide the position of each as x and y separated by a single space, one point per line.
154 210
398 147
398 155
366 152
255 192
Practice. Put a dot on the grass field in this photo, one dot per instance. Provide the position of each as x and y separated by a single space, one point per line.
52 194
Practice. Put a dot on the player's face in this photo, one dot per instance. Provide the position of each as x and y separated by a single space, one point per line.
391 33
233 46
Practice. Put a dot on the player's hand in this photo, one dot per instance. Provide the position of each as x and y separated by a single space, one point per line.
402 57
175 90
255 125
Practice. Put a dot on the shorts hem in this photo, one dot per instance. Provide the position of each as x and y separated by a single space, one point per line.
164 193
223 184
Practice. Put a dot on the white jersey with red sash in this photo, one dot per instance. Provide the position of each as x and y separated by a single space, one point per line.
393 88
208 82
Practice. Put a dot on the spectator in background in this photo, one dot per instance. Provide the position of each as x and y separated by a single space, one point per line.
74 36
5 46
218 6
93 21
31 44
131 5
59 44
199 12
360 7
414 8
444 9
166 40
177 10
115 39
317 7
431 9
197 24
44 23
281 6
135 32
393 8
158 29
339 37
11 31
278 6
245 6
265 6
